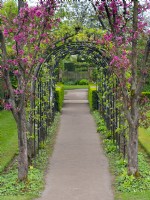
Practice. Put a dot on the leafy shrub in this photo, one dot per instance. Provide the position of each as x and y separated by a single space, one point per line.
70 82
92 97
146 94
83 82
59 96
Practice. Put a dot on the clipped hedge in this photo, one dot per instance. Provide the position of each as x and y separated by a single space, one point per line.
92 97
146 94
59 96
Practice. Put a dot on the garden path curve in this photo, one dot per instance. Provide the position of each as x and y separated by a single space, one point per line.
78 168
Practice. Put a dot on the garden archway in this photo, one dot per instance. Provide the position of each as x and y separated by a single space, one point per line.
44 87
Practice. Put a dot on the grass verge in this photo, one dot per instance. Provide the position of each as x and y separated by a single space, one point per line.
8 138
133 196
71 87
12 189
144 139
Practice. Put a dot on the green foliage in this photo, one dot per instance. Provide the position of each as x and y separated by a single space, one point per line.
144 139
123 182
127 183
69 66
8 138
83 82
92 97
9 9
59 95
146 94
9 184
70 82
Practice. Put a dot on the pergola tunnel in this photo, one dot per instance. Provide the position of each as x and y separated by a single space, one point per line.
106 97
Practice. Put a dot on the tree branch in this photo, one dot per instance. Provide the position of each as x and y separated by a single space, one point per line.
99 17
6 73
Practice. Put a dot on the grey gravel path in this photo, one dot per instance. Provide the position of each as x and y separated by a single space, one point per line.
78 168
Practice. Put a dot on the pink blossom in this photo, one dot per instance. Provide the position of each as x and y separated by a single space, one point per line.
41 60
5 32
21 52
25 60
36 48
35 32
34 78
7 106
16 72
101 7
17 92
38 13
15 62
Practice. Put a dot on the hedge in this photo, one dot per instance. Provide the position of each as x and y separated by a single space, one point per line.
92 97
147 94
59 96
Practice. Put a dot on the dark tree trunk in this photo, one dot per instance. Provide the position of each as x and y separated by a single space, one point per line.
133 151
30 142
22 143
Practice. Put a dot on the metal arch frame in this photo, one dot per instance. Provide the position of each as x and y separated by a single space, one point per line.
99 58
76 48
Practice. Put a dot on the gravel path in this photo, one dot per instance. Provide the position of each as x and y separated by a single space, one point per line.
78 168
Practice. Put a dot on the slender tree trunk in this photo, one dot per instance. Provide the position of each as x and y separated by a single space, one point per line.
133 151
132 116
31 148
22 143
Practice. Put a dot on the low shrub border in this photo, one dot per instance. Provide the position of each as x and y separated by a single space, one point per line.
147 94
92 97
59 96
126 187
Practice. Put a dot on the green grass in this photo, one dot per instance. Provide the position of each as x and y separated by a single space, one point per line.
8 138
133 196
71 87
144 139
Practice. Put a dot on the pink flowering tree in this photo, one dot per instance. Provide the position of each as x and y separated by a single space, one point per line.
127 38
27 35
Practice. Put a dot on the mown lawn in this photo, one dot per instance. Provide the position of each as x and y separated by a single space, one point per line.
71 87
144 139
8 138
